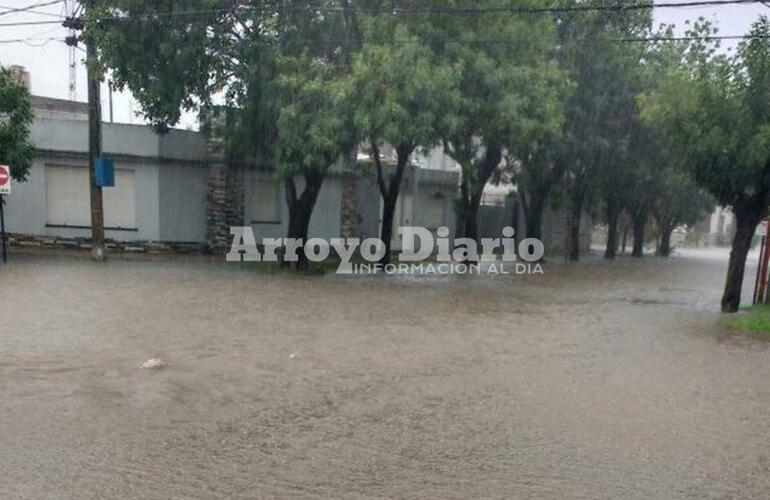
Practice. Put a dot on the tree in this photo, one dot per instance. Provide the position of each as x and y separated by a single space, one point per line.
679 202
603 72
617 175
314 131
538 153
647 161
714 112
403 97
269 63
16 118
505 92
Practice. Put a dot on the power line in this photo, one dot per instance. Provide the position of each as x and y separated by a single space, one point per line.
30 8
447 10
28 41
403 10
490 41
27 23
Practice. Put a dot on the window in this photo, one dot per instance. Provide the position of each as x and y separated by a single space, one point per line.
69 200
434 211
265 202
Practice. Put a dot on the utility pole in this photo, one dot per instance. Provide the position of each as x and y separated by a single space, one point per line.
74 23
70 8
95 149
109 89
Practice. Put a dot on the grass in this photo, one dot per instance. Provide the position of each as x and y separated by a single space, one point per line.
754 319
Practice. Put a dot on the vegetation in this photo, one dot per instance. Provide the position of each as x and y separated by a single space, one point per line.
15 121
754 319
590 104
714 111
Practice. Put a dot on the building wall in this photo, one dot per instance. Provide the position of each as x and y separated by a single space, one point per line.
27 210
324 222
185 192
182 203
167 175
555 227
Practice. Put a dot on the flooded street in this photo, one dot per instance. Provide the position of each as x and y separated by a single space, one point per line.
593 381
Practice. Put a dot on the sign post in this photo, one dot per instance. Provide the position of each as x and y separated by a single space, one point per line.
5 188
760 285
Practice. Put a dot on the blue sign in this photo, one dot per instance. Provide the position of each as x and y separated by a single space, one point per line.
104 172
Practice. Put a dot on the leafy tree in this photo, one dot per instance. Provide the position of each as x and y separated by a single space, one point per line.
275 65
16 118
403 97
538 155
314 131
505 92
603 72
647 160
617 170
714 111
679 202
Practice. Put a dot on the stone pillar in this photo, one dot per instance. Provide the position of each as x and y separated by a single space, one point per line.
224 198
348 216
347 207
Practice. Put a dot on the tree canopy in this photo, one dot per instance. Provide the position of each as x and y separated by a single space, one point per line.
16 117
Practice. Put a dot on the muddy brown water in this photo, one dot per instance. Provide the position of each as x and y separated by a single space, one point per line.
593 381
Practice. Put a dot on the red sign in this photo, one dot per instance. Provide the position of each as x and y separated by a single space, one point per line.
5 179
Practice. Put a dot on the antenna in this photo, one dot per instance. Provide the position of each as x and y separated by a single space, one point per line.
70 10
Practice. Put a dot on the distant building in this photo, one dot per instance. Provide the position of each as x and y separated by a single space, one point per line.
172 190
721 227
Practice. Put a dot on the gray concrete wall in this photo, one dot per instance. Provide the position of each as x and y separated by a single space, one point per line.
169 179
325 221
367 209
118 139
27 211
555 232
265 230
170 186
182 203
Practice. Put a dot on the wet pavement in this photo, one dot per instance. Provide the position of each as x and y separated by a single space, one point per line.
593 381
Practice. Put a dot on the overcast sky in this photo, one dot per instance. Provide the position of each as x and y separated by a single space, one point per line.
46 59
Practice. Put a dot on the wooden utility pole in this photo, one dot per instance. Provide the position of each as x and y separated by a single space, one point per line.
95 150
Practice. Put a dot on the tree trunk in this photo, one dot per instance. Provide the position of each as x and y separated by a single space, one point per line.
573 231
624 243
664 248
471 192
386 231
300 212
613 215
746 224
389 192
639 221
534 215
472 218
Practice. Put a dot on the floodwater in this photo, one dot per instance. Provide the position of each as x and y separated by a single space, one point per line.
592 381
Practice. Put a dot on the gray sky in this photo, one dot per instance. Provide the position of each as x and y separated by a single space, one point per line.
46 60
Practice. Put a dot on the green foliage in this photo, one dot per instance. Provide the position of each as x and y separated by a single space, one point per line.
197 55
314 125
714 111
679 201
168 59
15 121
402 95
755 319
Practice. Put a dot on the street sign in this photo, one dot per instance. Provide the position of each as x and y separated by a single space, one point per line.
762 228
104 172
5 179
